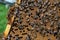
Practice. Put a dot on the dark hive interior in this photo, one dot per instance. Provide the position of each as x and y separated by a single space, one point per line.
35 20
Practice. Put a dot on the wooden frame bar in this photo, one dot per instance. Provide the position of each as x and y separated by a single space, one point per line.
8 27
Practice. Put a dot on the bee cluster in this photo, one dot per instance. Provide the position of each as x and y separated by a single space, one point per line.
35 20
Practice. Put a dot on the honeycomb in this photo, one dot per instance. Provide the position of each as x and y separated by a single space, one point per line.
35 20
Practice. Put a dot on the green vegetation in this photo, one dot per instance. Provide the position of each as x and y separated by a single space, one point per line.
3 17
